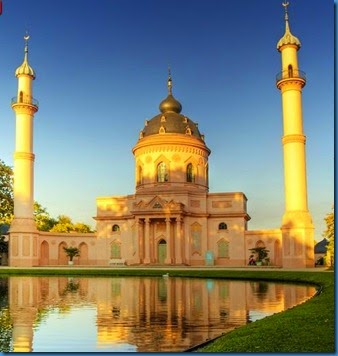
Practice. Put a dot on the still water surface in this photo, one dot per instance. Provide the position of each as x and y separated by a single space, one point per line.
131 314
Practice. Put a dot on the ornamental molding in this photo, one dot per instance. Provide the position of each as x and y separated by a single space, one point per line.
158 204
172 149
24 155
22 108
291 84
294 138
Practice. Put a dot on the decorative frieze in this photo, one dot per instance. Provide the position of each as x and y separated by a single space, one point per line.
221 204
195 203
172 148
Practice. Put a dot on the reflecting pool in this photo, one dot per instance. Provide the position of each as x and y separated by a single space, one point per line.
131 314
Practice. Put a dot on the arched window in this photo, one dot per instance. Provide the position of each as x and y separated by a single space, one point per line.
290 71
222 226
190 173
115 228
223 249
162 172
115 251
139 175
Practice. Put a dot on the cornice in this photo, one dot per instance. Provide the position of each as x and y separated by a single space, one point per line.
293 138
22 108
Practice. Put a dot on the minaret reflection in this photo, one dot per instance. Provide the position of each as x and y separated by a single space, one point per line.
146 314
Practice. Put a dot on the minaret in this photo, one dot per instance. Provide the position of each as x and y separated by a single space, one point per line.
297 227
23 232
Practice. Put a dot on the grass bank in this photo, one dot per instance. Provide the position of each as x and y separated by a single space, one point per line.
309 327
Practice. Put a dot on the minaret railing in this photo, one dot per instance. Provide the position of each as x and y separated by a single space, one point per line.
26 99
291 74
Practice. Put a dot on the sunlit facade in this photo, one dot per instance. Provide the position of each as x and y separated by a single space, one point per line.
172 219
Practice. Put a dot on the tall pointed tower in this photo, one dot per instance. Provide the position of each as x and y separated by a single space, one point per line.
23 232
297 226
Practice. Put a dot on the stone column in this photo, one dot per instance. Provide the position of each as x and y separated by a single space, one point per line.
168 260
140 240
178 241
146 241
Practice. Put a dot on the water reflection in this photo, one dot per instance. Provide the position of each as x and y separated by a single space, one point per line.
60 314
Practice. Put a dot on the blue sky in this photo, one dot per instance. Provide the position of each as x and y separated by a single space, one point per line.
101 72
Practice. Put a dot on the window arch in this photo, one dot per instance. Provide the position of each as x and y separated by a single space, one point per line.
139 175
260 243
222 226
115 228
223 249
115 250
162 172
290 71
190 173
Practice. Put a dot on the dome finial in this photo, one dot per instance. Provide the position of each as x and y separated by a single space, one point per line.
26 38
170 82
285 4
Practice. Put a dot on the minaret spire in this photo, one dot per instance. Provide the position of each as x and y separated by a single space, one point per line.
286 4
26 38
170 82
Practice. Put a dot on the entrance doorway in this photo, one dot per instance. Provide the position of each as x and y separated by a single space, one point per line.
162 251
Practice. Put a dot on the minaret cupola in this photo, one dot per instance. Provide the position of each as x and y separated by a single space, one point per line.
25 68
288 38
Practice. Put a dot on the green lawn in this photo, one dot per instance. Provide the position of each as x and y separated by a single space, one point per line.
309 327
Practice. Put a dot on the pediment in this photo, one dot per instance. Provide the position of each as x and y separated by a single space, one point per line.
158 204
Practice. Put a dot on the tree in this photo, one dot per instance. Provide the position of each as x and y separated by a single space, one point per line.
261 252
44 222
72 252
6 193
65 224
329 234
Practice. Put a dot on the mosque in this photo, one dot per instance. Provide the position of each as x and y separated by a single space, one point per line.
171 219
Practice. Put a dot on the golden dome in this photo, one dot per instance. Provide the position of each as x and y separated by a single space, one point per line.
25 68
170 104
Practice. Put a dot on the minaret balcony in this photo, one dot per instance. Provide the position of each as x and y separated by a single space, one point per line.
27 100
290 75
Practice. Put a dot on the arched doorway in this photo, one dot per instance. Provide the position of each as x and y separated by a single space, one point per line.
83 258
44 254
162 251
62 257
278 253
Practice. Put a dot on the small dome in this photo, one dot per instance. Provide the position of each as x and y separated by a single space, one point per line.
288 38
25 68
170 104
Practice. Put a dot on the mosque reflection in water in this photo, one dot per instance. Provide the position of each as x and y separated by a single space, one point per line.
148 314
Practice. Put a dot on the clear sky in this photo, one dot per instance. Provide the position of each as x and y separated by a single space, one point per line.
101 72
